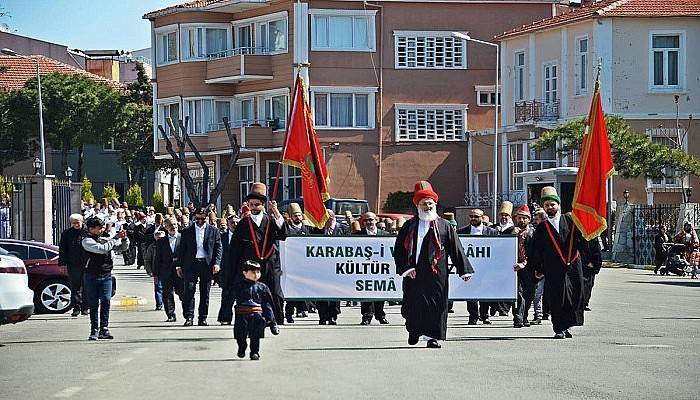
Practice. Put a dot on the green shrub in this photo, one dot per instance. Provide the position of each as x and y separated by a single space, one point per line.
86 191
399 202
110 193
158 204
134 197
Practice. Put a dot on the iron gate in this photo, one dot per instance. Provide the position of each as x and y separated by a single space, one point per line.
646 222
60 194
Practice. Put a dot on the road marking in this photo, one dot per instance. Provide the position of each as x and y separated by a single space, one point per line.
140 350
124 361
68 392
97 375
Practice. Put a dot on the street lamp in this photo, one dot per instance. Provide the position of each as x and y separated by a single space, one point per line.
466 37
37 165
69 172
688 193
626 195
13 53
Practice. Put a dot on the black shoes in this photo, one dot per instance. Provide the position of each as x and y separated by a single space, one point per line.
254 356
171 319
433 344
202 322
241 352
188 322
93 334
159 308
85 312
471 322
587 308
366 321
225 322
104 334
290 320
383 321
568 334
559 335
486 322
302 314
321 322
75 313
545 317
332 322
526 323
517 325
536 321
413 339
275 330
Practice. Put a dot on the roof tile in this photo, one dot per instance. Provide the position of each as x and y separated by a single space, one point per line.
19 70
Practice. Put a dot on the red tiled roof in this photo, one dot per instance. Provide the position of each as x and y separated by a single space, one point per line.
612 8
179 7
19 70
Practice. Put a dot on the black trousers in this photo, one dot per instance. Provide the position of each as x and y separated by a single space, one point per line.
251 326
290 306
199 271
588 282
168 296
76 276
526 294
226 309
328 310
478 310
372 309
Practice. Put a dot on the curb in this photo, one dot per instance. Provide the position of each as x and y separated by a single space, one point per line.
628 266
126 301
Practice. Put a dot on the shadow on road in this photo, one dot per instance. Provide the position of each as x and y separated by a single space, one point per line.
489 338
196 361
356 348
688 283
158 340
671 318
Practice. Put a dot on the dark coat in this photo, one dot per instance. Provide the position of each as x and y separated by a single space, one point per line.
488 231
271 270
338 230
227 274
70 249
659 252
304 230
166 261
563 285
425 298
187 251
380 232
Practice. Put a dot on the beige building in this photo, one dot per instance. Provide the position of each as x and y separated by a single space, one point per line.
394 93
650 75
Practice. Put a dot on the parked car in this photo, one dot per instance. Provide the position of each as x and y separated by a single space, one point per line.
16 299
339 206
48 280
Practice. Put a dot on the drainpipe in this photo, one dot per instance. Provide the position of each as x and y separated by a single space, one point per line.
380 114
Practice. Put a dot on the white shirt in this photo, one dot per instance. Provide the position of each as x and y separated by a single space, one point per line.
503 227
229 236
372 233
555 221
172 240
199 236
476 230
257 218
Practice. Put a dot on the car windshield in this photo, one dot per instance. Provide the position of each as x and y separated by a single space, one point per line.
3 252
356 208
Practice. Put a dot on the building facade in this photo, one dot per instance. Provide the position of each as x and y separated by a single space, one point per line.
394 93
650 75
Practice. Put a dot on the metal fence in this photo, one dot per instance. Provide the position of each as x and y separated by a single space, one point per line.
645 226
485 200
60 193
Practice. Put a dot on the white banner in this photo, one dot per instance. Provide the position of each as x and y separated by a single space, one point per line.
362 268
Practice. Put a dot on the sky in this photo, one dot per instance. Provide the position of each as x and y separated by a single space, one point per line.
84 24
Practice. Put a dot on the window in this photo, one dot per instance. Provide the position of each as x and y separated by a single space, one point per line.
581 65
200 42
486 95
109 146
264 34
516 159
666 52
247 110
519 76
343 108
550 83
275 111
484 180
437 50
290 184
166 111
166 46
342 30
21 251
36 253
430 123
668 137
246 177
207 115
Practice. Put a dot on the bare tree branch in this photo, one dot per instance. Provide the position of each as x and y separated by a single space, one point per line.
235 152
180 162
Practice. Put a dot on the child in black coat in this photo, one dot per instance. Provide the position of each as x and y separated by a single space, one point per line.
253 311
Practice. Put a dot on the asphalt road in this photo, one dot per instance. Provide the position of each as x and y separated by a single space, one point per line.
640 342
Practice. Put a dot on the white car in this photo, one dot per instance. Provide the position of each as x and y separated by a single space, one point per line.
16 299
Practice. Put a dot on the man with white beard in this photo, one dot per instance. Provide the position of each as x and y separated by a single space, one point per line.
421 251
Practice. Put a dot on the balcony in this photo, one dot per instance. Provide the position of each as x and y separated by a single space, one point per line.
239 65
533 111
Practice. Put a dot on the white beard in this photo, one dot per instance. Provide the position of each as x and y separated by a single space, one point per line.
427 215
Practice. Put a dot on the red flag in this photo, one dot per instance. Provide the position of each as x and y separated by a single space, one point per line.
302 150
595 167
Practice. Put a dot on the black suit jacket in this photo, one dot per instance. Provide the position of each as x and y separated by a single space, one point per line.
488 231
166 261
227 270
187 251
339 230
380 232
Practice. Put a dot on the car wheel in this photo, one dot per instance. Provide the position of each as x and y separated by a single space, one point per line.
53 296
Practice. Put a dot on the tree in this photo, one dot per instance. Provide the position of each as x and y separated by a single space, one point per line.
86 191
182 140
133 196
17 140
157 202
6 189
634 154
110 193
77 111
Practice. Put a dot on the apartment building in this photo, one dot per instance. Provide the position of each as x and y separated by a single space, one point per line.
393 92
650 75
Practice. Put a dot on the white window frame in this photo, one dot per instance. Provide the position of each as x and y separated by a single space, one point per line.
512 163
161 32
479 177
455 108
371 28
553 93
581 65
328 90
519 79
167 102
255 24
681 62
672 134
286 177
109 146
244 186
208 127
426 36
258 99
491 91
184 34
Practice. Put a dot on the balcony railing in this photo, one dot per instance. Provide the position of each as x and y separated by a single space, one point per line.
262 51
485 199
275 124
536 111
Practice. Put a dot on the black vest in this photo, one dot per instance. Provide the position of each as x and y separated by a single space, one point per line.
98 264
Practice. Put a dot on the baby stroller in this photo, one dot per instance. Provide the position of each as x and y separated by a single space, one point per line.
675 262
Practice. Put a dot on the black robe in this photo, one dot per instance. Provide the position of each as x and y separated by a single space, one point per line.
563 285
425 298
